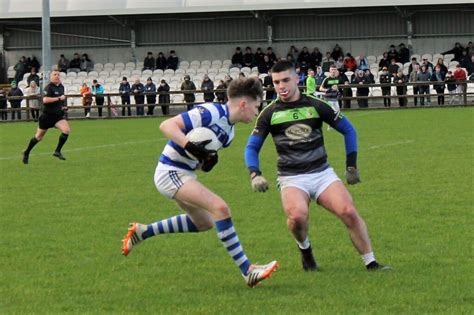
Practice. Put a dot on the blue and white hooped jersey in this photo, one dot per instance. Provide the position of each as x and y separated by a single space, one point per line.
214 116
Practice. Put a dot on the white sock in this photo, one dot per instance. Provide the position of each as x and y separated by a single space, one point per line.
368 258
305 244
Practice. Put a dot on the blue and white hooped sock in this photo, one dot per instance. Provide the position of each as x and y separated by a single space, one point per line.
178 224
228 236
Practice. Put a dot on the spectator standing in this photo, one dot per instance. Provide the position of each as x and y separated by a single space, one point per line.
451 85
413 79
457 51
346 91
124 90
460 74
164 97
429 65
393 67
15 104
75 64
34 91
161 61
310 83
221 95
97 91
268 85
173 60
20 69
207 86
33 77
465 60
149 62
63 64
363 62
400 80
440 64
189 97
237 58
412 64
362 89
3 104
424 75
86 64
86 99
439 76
137 89
150 91
403 53
386 78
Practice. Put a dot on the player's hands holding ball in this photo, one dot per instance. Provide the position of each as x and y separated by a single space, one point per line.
259 183
207 158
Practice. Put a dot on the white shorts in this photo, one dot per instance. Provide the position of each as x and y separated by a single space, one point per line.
313 184
168 180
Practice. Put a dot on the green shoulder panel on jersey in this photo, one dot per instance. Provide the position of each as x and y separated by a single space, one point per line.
294 114
325 103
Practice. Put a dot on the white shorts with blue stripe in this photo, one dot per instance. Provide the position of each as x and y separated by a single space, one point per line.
169 179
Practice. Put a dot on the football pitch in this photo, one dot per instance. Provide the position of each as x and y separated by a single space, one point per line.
63 221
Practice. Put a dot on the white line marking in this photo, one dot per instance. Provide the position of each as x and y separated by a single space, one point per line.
391 144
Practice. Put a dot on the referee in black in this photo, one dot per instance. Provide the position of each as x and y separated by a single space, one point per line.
52 116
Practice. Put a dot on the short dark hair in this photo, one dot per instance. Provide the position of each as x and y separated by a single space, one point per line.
250 87
282 65
94 81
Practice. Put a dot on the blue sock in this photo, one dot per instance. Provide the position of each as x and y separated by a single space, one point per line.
228 236
178 224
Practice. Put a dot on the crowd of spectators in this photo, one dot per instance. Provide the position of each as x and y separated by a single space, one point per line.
311 66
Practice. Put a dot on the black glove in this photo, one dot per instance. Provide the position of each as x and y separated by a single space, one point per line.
210 161
352 175
198 149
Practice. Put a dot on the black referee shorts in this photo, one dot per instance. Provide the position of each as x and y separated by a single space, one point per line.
47 121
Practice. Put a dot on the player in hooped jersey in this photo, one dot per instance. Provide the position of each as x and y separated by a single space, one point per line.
294 120
175 176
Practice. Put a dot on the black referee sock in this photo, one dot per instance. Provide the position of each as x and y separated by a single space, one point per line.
32 143
61 142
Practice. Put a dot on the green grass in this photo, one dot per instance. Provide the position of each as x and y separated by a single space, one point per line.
62 222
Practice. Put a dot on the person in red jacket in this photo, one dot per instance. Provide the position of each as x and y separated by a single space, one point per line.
460 74
350 64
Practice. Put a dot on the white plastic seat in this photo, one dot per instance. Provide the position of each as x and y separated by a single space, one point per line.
371 59
136 72
125 73
224 70
180 72
448 57
82 74
71 75
191 71
168 72
103 73
98 66
234 70
78 80
195 63
119 65
110 80
226 62
184 64
418 57
206 62
147 72
197 83
216 62
109 65
437 56
349 75
245 70
130 65
201 70
139 65
158 72
212 71
92 74
177 98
